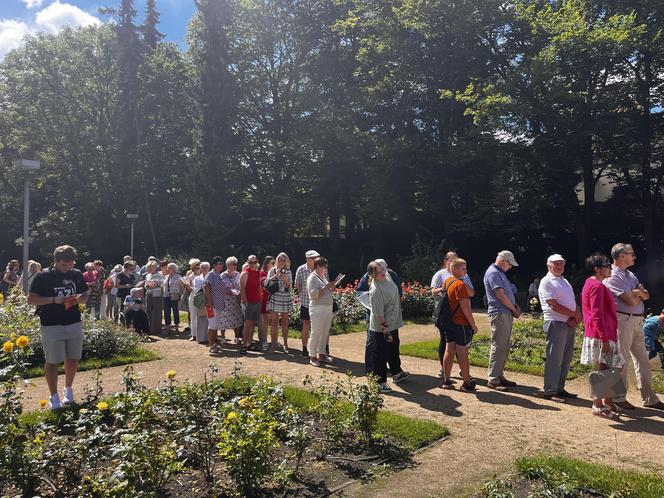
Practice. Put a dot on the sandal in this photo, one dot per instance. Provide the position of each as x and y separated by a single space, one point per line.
447 384
604 411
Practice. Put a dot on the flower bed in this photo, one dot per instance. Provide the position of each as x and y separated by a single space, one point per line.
103 340
222 437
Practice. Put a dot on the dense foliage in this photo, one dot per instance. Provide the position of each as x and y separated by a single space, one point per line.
360 127
102 339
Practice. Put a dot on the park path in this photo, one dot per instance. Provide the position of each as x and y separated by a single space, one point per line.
489 429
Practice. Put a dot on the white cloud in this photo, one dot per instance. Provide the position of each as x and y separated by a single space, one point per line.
30 4
58 15
11 34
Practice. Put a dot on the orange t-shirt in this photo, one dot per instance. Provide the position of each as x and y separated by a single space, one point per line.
455 293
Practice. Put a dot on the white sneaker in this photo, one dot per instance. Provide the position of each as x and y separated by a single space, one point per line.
68 396
54 402
384 388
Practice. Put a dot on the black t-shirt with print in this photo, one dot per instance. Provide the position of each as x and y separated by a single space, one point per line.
52 283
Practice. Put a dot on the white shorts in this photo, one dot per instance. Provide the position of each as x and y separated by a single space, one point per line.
62 342
213 323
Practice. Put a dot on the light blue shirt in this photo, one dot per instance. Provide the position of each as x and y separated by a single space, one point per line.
496 278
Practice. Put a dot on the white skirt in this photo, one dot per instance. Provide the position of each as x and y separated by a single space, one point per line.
591 353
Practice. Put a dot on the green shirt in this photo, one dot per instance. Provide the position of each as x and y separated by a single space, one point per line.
385 301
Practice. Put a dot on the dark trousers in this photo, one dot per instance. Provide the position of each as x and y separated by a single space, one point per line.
140 321
168 306
369 346
386 353
442 344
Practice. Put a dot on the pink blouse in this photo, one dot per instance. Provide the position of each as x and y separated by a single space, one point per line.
599 311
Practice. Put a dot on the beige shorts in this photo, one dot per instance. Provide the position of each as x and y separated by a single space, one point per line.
62 342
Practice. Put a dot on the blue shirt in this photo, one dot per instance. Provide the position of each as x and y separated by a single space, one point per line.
651 331
618 283
363 285
496 278
440 276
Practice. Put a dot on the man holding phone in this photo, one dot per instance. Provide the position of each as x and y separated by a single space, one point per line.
56 292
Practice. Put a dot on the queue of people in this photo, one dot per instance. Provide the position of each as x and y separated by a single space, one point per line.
220 296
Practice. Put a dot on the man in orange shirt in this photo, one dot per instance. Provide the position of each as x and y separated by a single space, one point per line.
459 332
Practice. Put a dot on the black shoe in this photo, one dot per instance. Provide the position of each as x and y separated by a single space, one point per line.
507 383
305 353
243 350
565 394
468 387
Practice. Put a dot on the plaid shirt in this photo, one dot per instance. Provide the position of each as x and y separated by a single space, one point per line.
301 276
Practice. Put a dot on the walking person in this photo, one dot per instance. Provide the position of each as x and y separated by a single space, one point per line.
268 263
280 302
214 296
501 296
173 289
301 276
386 320
601 349
561 316
56 292
321 299
629 295
251 299
461 327
154 296
437 284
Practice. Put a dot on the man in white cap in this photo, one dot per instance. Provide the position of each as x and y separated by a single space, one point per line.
301 276
561 316
501 296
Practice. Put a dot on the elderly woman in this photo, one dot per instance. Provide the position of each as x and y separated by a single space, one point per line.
154 296
173 288
112 306
231 312
201 319
321 300
188 280
279 282
10 277
601 348
33 269
386 319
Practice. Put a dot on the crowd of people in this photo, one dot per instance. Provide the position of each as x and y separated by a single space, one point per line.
258 296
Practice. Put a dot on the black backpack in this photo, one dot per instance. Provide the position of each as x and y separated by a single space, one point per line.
442 314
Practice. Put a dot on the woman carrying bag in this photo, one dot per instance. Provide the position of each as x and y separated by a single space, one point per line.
601 348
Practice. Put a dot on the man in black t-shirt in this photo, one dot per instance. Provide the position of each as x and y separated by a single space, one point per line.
56 292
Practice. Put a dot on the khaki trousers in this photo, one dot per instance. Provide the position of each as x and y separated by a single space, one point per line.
501 333
630 336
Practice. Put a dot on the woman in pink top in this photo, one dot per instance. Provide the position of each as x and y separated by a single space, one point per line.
600 342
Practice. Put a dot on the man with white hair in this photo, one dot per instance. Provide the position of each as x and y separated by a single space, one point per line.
501 296
630 294
561 316
301 276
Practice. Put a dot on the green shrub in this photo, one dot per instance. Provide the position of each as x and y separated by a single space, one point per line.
416 301
102 338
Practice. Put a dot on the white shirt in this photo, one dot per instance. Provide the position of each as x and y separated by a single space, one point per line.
199 282
558 288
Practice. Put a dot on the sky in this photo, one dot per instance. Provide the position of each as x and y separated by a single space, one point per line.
19 17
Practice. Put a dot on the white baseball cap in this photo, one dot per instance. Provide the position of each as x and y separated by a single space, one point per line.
555 257
311 254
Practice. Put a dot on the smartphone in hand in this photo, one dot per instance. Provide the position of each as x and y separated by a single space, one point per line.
339 278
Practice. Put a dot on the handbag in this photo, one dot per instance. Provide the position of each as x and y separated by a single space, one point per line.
606 383
200 300
272 287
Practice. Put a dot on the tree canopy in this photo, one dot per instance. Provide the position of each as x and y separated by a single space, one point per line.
363 128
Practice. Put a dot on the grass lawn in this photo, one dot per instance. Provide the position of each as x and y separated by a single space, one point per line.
658 381
527 352
138 356
563 476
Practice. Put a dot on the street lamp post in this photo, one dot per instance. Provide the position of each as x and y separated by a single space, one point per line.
26 165
132 218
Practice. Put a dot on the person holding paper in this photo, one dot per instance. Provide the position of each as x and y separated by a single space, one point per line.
321 300
56 292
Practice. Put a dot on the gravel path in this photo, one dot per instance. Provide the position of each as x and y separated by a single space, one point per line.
489 429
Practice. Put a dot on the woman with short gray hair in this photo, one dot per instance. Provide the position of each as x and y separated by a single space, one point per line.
154 296
173 288
231 313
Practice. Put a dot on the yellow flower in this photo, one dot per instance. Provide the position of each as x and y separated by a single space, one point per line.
42 403
170 374
102 406
8 347
22 341
244 402
231 416
37 440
